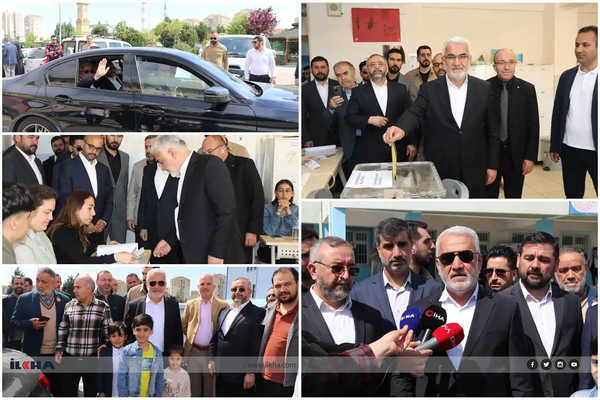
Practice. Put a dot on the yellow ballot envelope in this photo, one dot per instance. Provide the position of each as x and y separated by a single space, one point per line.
394 162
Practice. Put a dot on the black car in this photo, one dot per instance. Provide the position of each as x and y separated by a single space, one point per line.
22 383
151 90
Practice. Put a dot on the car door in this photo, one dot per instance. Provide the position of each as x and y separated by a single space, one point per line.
169 96
83 109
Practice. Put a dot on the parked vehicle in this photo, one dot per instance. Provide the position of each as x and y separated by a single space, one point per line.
21 383
237 47
76 43
35 58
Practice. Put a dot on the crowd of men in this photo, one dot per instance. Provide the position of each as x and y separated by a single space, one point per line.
510 309
229 349
479 132
184 206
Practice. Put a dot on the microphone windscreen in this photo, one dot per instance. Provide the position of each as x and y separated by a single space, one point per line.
433 318
449 336
412 318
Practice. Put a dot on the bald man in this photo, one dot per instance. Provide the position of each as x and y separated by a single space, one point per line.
516 103
248 188
199 320
438 65
84 172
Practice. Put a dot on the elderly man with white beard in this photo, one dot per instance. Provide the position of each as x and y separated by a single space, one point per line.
485 363
570 275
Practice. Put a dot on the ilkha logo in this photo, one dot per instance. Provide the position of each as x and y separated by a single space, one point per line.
30 364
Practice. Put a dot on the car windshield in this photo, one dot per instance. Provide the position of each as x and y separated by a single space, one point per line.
37 53
236 46
239 81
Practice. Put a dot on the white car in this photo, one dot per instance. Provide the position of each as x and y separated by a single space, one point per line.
75 44
35 58
237 47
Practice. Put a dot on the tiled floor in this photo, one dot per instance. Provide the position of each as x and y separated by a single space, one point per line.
540 184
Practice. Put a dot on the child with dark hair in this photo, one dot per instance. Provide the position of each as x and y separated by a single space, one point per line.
177 380
141 366
110 358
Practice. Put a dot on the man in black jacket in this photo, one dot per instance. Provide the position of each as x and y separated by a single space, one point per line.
104 292
105 76
248 189
58 147
21 165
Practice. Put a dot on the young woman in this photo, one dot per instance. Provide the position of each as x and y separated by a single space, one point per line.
280 215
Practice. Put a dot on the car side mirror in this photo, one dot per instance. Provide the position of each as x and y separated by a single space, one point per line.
216 95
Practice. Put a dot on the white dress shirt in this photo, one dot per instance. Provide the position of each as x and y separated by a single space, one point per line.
458 99
462 316
160 180
381 92
31 160
204 332
233 312
91 171
179 188
259 63
340 322
543 316
578 129
157 312
398 298
116 360
323 91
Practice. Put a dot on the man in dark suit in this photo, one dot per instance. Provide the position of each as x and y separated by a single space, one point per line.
517 106
555 327
238 333
105 77
248 189
58 147
374 106
75 145
574 134
163 309
21 165
104 292
590 331
11 336
459 123
84 172
333 268
205 219
488 360
315 97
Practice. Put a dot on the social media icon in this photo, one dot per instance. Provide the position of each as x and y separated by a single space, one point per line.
574 364
532 364
546 364
560 364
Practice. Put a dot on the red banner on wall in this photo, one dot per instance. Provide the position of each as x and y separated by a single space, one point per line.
376 25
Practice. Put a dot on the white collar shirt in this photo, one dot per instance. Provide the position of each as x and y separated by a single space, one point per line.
90 168
323 91
543 316
157 312
458 99
116 360
398 298
381 93
260 63
578 128
160 180
340 322
31 160
182 172
233 312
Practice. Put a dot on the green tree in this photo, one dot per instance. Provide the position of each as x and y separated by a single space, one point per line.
101 31
120 29
17 272
68 30
237 25
203 31
69 285
30 38
135 38
181 45
188 35
221 29
261 21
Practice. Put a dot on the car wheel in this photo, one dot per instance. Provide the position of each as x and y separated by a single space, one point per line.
36 125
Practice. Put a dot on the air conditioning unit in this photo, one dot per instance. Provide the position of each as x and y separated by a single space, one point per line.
334 9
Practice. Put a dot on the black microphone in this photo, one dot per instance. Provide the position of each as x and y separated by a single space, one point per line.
432 318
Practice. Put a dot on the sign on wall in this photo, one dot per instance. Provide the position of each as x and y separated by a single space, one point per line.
376 25
583 207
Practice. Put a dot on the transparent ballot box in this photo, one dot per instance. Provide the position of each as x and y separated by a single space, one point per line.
415 180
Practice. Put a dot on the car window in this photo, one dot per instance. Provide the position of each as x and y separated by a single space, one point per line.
89 66
99 44
68 48
62 74
162 79
114 44
236 46
37 53
126 45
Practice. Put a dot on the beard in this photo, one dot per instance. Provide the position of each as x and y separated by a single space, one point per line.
338 291
458 74
463 286
113 145
18 291
574 289
424 261
394 69
543 281
58 151
149 157
29 150
425 63
320 77
289 300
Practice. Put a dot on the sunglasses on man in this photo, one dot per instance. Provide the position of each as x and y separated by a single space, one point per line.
238 289
500 273
339 269
160 283
465 256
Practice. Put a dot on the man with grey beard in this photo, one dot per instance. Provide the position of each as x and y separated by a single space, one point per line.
484 363
570 275
328 313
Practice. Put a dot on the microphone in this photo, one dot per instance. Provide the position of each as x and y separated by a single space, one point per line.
412 318
433 318
445 337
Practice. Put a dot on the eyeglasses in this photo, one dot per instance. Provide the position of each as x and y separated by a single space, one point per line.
437 65
374 64
160 283
94 148
254 42
78 148
501 273
87 71
211 150
509 63
238 289
465 256
461 57
364 72
595 361
288 190
339 269
213 38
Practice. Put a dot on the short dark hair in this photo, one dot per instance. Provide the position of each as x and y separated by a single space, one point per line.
41 193
142 320
413 229
595 346
284 269
74 138
28 280
282 182
504 252
53 36
308 233
117 327
13 278
389 228
56 138
150 137
396 50
362 64
104 271
305 67
422 47
540 238
132 274
175 348
16 199
317 59
259 38
590 28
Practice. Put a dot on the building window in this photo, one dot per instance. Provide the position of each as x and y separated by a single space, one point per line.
362 243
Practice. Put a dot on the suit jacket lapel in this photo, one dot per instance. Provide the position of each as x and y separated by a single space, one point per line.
85 175
483 311
559 314
103 158
382 298
416 290
470 102
25 166
359 326
444 95
188 172
222 318
40 168
313 317
528 322
373 98
390 100
241 314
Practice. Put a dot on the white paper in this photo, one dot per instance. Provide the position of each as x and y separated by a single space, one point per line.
312 164
320 150
105 250
370 179
305 179
321 158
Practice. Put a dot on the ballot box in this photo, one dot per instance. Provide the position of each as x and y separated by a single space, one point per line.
415 180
